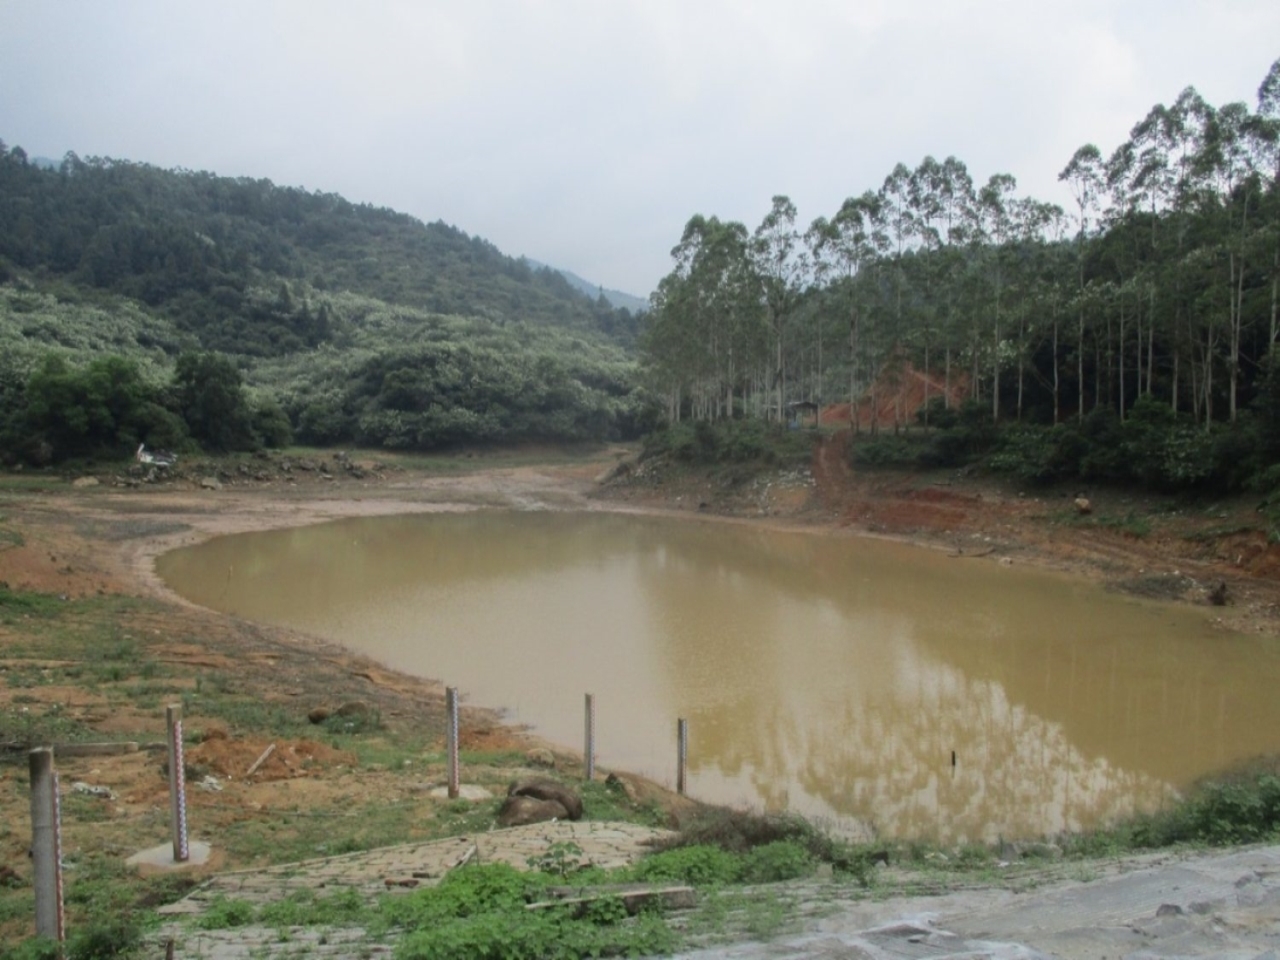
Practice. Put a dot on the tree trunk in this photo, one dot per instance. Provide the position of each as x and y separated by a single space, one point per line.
1057 386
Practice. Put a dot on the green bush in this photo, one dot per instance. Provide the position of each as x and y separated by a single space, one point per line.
1034 454
478 913
697 865
883 451
971 435
777 861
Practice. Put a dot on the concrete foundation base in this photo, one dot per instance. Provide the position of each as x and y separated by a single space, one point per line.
161 858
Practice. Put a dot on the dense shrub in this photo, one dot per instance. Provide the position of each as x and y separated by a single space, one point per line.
1037 454
884 450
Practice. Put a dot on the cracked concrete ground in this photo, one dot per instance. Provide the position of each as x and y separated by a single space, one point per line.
1217 905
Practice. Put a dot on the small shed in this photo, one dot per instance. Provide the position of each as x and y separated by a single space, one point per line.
804 413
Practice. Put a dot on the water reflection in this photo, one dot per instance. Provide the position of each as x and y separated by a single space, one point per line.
825 675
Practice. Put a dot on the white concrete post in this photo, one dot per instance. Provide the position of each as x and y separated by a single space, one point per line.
177 784
451 738
46 845
682 753
589 736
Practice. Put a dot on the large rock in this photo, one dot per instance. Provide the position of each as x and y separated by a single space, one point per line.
517 810
541 757
542 788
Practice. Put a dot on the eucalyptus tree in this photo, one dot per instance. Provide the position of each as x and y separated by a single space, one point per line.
1033 222
780 265
703 331
846 245
942 198
1182 132
1266 129
897 219
1229 165
1084 175
994 224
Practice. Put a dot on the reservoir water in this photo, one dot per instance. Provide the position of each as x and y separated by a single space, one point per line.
830 676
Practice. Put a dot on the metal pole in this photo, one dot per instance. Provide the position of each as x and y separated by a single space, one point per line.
451 738
46 845
589 747
682 753
177 784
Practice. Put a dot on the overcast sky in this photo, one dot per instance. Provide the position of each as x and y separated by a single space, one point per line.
585 134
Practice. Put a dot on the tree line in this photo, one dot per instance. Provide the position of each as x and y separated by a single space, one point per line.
1158 285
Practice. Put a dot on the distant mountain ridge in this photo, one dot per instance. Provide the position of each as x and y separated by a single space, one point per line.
617 298
344 324
193 246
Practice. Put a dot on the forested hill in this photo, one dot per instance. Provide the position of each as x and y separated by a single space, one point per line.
194 246
182 309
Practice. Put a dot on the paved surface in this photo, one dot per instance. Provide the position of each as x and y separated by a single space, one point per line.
1225 906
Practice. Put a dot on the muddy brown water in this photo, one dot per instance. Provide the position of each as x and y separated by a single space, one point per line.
831 676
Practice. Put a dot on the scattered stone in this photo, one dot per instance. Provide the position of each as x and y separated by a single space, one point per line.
1203 907
615 782
615 472
210 483
516 811
88 789
542 788
210 784
541 757
85 482
318 714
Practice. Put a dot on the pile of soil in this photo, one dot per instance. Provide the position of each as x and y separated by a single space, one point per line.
225 758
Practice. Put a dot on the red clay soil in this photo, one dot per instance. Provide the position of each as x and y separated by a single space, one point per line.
897 396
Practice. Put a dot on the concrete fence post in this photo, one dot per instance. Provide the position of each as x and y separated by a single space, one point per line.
589 737
46 845
177 784
451 738
682 753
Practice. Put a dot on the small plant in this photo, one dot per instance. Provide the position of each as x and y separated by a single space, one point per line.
561 859
775 862
224 912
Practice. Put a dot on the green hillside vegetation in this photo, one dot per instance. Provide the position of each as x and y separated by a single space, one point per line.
1130 339
329 321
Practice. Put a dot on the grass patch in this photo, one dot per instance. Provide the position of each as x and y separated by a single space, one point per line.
1242 807
1130 523
601 801
743 832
